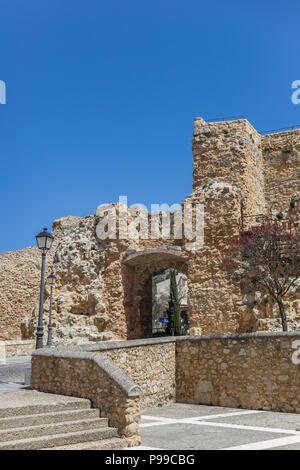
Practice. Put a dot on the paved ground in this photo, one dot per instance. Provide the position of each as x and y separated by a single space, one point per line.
180 426
12 374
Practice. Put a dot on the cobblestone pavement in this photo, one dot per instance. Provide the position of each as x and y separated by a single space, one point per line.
12 374
192 427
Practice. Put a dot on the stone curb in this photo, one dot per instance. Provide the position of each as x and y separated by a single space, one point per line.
70 351
241 336
106 345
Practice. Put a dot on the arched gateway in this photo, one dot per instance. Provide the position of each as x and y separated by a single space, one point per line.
137 271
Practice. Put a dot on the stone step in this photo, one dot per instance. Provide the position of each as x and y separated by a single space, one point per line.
46 442
30 403
48 418
105 444
50 429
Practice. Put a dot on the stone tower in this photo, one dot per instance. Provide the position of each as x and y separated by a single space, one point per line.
230 151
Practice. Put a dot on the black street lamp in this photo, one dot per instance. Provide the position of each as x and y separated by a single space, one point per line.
44 242
51 281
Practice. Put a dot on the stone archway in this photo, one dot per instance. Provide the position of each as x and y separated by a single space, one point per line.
137 270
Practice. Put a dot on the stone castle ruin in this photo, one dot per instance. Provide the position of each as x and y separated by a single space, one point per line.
104 287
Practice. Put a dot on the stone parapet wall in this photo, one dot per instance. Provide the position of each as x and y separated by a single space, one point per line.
119 377
93 376
254 371
150 363
17 347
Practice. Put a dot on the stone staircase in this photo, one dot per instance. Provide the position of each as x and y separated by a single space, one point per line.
64 425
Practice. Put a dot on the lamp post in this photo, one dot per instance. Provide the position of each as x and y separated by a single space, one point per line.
44 242
51 281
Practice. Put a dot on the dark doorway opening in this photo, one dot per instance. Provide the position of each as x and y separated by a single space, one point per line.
160 301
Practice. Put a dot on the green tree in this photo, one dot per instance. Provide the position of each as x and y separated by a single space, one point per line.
174 310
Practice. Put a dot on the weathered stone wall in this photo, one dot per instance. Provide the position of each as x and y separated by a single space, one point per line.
19 290
230 152
281 153
103 288
254 371
266 168
215 305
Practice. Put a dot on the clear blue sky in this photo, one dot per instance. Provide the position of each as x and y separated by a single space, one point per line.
101 97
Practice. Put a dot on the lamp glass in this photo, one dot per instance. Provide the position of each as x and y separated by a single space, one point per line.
51 279
44 240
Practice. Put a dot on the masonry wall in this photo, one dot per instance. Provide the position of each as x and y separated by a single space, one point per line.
19 291
255 371
281 152
152 367
215 304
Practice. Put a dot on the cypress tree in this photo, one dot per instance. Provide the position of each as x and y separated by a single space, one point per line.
174 310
